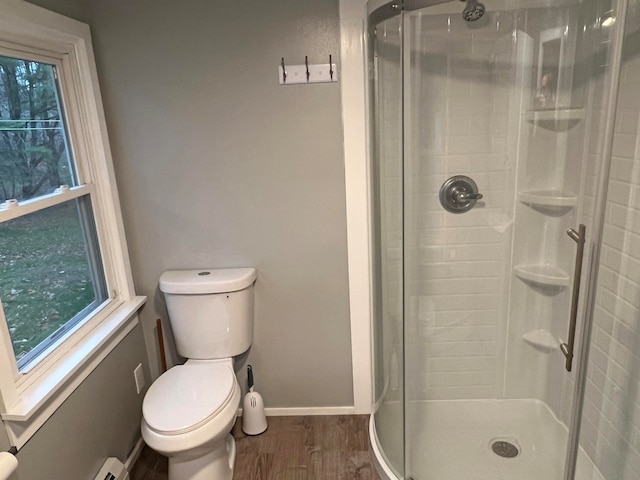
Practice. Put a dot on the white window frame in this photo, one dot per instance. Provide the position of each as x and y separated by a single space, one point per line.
30 397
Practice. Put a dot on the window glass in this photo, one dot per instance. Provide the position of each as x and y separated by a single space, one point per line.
51 275
49 278
34 153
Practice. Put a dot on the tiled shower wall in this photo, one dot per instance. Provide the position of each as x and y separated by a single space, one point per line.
457 265
611 419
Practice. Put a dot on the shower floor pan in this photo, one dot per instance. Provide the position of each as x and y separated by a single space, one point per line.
452 440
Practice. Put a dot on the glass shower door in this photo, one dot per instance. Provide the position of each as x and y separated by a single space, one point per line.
610 421
462 112
504 146
385 63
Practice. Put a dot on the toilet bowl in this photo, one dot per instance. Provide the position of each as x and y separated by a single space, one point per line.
187 416
189 411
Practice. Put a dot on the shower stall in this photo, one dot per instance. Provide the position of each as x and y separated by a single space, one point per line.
505 187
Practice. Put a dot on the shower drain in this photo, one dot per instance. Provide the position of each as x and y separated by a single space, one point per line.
504 449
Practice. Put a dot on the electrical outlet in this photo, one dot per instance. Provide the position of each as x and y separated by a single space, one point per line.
138 375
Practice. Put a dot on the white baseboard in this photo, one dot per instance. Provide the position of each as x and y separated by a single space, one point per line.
303 411
133 456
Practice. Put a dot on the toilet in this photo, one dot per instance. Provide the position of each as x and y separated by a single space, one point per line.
189 411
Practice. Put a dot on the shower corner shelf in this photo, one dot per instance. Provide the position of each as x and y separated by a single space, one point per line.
541 340
557 119
543 275
548 201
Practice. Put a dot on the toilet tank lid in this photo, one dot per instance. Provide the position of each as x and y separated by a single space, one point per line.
206 280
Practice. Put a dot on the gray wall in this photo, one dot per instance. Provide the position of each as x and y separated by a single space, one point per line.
218 166
100 419
76 9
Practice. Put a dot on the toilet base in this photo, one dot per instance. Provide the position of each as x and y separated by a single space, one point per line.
216 464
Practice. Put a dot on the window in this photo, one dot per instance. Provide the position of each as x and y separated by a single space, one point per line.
66 290
51 276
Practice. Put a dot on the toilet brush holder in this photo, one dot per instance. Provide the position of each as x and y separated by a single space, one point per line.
254 418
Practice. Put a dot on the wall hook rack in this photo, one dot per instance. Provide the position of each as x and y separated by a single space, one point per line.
307 73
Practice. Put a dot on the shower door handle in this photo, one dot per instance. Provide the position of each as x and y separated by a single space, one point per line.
567 348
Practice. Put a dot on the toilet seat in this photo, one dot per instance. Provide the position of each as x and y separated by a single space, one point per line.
187 396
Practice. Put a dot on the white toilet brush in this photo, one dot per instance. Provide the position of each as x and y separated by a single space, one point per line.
254 420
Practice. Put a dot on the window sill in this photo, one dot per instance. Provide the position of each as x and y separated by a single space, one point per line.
43 398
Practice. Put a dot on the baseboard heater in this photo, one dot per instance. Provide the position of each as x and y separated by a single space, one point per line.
113 469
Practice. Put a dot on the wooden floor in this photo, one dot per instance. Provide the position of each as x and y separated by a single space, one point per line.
292 448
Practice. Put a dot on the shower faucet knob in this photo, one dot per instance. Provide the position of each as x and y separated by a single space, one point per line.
459 194
462 196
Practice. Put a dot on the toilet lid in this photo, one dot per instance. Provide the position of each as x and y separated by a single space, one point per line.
187 395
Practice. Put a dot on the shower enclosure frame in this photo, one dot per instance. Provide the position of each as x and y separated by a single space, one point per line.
380 11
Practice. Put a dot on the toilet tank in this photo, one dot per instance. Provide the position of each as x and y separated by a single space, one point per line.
210 310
